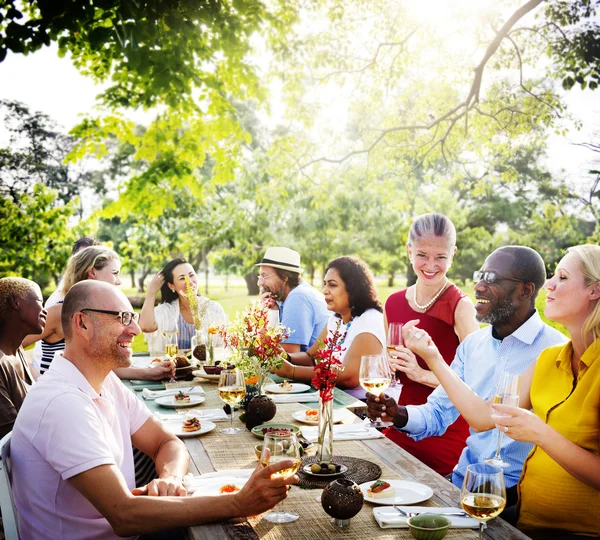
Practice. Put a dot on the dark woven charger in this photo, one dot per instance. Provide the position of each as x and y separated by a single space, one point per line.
359 470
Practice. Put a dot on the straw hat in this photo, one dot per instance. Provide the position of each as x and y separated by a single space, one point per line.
282 257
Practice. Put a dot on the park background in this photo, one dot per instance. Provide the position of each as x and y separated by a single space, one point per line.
215 130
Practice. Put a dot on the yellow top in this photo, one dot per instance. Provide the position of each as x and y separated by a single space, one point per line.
549 497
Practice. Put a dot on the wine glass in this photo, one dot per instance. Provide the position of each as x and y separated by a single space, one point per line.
483 493
232 389
171 333
375 377
279 447
394 339
507 393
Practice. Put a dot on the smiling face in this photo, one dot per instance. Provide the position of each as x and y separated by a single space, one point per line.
108 274
270 282
180 272
569 300
431 258
112 340
496 302
32 312
336 295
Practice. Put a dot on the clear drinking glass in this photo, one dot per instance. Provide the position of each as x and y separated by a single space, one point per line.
375 377
232 389
394 339
483 493
170 335
507 393
279 447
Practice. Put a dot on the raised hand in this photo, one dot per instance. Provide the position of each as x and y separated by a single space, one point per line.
155 284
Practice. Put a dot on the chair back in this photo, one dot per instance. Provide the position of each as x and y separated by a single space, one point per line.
7 505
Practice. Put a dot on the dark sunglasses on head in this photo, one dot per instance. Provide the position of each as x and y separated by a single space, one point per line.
491 277
125 316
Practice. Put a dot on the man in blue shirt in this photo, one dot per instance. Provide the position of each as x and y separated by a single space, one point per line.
505 290
302 307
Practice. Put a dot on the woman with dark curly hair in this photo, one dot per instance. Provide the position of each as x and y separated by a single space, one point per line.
356 313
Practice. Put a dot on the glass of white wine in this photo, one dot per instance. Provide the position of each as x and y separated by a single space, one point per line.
483 493
507 393
279 447
232 389
170 335
375 377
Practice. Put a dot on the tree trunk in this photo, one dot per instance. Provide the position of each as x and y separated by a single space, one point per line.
252 283
391 278
205 263
411 277
312 274
226 282
142 278
132 276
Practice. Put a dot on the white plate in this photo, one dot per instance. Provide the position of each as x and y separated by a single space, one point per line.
306 470
142 361
203 375
297 388
214 488
175 427
169 401
405 492
338 416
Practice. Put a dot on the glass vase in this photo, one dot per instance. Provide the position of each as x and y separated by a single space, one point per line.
325 440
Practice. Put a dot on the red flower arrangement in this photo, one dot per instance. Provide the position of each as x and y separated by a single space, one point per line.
329 366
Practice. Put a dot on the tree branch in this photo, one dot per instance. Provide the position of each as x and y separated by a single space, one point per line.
459 110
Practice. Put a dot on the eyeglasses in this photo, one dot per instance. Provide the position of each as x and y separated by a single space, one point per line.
265 277
125 316
492 277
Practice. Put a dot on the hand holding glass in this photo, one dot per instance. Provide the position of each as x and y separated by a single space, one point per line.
232 389
280 447
483 493
375 377
507 393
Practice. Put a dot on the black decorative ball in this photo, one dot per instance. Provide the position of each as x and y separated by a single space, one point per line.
260 409
342 499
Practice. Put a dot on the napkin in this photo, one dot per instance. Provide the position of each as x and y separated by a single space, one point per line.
346 432
311 397
389 518
214 415
153 394
195 483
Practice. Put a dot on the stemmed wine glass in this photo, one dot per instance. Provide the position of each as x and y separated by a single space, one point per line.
279 447
507 393
232 389
375 377
171 334
483 493
394 339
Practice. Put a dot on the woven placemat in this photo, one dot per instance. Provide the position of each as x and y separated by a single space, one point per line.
359 470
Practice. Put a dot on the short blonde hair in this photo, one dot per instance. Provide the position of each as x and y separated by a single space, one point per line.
14 286
82 262
589 254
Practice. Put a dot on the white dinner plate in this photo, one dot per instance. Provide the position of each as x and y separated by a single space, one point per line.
405 492
175 427
201 373
169 401
296 388
214 488
142 361
338 416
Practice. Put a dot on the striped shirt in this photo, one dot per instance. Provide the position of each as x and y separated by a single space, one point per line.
48 352
479 361
186 331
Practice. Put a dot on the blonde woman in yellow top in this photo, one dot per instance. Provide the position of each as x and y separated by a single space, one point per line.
559 407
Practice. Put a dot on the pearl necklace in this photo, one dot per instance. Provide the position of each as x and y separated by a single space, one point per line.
428 304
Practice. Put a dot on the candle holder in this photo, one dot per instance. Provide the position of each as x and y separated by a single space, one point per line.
342 500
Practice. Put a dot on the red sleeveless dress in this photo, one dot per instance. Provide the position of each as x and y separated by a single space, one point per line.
439 453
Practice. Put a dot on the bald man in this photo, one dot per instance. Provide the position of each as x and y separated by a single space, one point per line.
73 472
21 313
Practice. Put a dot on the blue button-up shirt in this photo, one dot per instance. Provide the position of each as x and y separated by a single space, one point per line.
479 361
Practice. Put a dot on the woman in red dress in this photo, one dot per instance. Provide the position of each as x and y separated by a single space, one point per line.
448 316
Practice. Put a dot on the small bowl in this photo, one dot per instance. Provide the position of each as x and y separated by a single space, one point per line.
428 526
258 450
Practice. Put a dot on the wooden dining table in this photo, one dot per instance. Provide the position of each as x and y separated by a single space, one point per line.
215 451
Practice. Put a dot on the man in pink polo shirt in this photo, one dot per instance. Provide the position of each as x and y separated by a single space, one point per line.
73 474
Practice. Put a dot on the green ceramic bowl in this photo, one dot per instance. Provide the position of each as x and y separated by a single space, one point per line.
428 526
257 431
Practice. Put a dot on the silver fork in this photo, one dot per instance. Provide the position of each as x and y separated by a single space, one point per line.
411 514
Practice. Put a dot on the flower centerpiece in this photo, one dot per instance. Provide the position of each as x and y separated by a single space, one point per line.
326 371
255 345
198 307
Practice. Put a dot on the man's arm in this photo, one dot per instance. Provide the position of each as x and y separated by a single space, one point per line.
164 370
128 515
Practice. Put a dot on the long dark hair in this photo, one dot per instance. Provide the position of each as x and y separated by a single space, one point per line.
359 282
167 295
